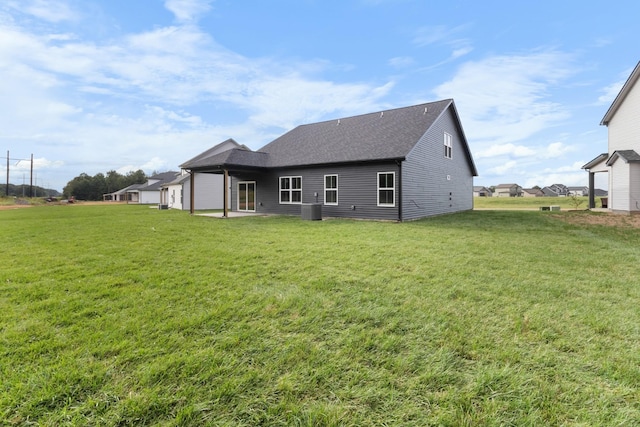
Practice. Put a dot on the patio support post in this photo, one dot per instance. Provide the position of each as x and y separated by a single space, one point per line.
592 196
192 192
225 196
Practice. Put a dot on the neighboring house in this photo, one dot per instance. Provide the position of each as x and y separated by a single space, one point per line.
400 164
479 191
122 195
173 192
622 161
578 191
149 192
532 192
556 190
507 190
209 187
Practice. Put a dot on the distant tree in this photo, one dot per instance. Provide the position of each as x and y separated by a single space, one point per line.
87 187
79 187
137 177
114 181
536 187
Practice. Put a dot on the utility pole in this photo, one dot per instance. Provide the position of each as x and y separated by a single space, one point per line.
31 184
9 159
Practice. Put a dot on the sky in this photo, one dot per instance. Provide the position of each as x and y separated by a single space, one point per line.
91 86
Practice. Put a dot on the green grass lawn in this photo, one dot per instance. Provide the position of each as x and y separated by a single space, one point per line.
125 315
532 202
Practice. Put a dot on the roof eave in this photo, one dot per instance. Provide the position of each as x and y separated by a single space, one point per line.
595 161
626 88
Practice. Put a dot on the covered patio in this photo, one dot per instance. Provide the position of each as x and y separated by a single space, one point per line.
597 165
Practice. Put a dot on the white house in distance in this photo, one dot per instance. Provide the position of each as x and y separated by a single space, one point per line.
149 193
507 190
622 161
209 187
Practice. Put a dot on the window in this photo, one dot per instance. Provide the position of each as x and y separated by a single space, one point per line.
290 189
331 189
386 189
447 145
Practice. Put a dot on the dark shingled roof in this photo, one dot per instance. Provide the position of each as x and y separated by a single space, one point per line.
388 134
217 149
237 157
629 156
384 135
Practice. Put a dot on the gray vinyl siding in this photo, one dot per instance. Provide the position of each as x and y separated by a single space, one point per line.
209 192
433 184
426 183
357 191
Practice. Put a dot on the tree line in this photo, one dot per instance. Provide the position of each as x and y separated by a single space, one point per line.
27 191
87 187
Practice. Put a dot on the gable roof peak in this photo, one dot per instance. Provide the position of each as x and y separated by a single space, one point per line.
382 135
619 99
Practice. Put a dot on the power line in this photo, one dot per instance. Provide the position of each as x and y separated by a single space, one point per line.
9 159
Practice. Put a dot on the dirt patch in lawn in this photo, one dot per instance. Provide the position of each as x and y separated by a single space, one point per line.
607 219
7 207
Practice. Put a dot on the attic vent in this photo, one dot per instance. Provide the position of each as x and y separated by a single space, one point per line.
425 110
338 122
381 113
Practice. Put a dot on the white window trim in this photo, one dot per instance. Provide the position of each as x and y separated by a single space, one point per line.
331 189
290 190
448 143
386 205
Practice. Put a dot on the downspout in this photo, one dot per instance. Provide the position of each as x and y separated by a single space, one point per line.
399 163
224 194
192 192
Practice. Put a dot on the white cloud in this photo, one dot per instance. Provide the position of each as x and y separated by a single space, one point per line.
179 66
552 151
187 10
290 100
504 99
444 36
401 61
153 164
556 150
506 150
457 53
504 168
48 10
569 175
438 34
610 92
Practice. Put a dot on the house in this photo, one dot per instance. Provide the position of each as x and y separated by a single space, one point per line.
399 164
578 191
622 161
122 195
479 191
556 190
507 190
149 192
532 192
177 193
